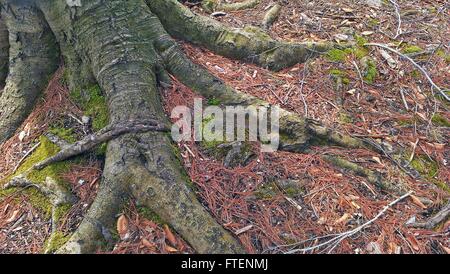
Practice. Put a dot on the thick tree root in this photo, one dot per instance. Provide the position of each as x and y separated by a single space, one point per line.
144 164
103 136
4 53
217 5
372 177
297 133
33 57
249 44
271 16
130 51
431 223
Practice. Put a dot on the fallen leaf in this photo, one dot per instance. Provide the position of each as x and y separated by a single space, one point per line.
413 241
322 220
148 244
122 226
377 159
367 33
355 205
169 235
446 249
373 248
341 37
170 249
13 217
22 135
417 201
351 92
244 229
342 219
391 61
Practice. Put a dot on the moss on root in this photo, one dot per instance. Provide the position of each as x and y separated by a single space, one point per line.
61 211
37 199
150 215
66 134
336 55
93 103
55 241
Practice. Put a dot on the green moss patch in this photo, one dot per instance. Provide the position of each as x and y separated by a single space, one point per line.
66 134
336 55
61 211
369 68
425 166
93 103
150 215
440 120
345 118
45 150
441 53
55 241
411 49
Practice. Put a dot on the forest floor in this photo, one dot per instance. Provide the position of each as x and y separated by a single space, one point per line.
390 102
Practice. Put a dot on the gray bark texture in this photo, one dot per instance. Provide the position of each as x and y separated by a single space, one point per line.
124 46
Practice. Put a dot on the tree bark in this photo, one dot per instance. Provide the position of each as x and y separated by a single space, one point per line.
4 53
124 46
33 57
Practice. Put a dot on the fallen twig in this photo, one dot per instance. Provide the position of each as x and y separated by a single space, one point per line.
442 92
399 18
25 156
333 242
435 220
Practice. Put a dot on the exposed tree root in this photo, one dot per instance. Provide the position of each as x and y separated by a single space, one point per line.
271 16
33 57
250 44
371 176
129 55
100 137
218 5
4 52
59 196
124 63
297 133
432 222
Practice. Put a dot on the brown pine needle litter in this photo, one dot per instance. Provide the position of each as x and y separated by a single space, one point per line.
397 107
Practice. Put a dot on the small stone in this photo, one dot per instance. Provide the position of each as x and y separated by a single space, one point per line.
411 220
85 119
22 135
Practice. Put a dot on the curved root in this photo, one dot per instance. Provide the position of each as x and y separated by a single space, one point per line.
217 5
33 55
250 44
271 16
